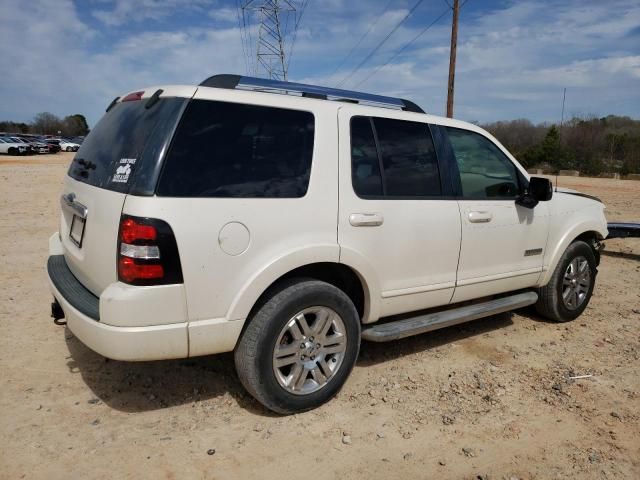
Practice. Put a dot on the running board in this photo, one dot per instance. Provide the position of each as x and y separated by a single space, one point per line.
387 332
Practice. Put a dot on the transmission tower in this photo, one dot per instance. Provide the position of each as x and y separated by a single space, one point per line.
277 20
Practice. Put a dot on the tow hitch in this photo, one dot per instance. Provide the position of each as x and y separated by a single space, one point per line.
57 313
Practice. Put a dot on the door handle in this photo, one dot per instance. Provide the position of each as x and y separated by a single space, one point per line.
365 219
68 202
480 217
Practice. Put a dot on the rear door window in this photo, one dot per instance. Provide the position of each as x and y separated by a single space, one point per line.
393 158
235 150
365 165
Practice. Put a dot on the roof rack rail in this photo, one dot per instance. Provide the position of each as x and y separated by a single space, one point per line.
311 91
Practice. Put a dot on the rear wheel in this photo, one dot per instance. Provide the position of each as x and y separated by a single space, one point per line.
13 151
299 347
68 149
568 292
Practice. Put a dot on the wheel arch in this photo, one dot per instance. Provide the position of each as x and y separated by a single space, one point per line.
320 266
589 232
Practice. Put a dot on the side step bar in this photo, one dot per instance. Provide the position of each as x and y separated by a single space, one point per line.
387 332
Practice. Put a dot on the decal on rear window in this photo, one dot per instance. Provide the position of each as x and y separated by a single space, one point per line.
123 170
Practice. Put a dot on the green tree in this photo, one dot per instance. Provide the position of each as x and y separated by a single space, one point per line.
550 151
46 123
75 125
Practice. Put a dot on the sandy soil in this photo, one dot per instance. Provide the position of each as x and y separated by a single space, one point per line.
491 399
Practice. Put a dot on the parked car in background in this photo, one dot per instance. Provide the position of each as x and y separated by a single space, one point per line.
54 145
78 140
31 149
36 145
68 145
11 147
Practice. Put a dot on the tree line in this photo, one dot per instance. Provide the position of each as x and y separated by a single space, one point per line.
590 145
46 123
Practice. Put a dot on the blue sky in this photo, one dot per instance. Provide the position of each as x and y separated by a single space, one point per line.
514 57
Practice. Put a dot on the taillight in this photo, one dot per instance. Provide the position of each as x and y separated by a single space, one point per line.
130 231
147 252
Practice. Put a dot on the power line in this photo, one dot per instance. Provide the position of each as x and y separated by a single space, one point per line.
295 31
407 45
246 34
384 40
242 39
404 47
371 27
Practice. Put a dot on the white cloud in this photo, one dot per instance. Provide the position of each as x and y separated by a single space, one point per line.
54 68
224 14
128 11
513 61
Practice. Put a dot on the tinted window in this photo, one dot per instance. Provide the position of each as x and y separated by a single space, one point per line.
407 154
365 167
408 158
485 172
234 150
119 140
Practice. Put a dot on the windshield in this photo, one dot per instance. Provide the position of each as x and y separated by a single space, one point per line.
114 152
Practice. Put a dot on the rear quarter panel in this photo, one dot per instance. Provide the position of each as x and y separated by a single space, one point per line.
283 233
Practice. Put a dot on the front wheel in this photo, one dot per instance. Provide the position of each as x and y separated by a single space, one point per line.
299 347
568 292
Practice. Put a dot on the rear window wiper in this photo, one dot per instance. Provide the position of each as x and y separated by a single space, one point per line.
113 102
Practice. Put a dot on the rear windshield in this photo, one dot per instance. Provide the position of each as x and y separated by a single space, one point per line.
123 149
233 150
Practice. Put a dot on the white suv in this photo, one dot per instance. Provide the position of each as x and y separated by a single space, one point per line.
285 222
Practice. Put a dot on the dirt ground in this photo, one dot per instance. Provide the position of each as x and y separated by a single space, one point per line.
490 399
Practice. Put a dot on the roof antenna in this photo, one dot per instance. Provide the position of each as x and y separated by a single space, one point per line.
564 95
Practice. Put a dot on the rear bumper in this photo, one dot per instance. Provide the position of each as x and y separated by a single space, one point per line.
105 324
156 342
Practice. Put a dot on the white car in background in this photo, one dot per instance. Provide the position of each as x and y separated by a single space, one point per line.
12 147
31 146
67 146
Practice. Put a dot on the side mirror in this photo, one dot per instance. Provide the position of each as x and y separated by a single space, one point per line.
540 190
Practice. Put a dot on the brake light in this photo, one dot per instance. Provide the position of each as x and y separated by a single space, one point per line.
132 97
147 252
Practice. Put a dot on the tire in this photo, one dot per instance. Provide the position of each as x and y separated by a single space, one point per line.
12 151
269 355
568 292
68 149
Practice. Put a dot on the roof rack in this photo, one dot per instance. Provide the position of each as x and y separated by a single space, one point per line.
312 91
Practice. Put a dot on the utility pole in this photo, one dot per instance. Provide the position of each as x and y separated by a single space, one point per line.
452 58
564 96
